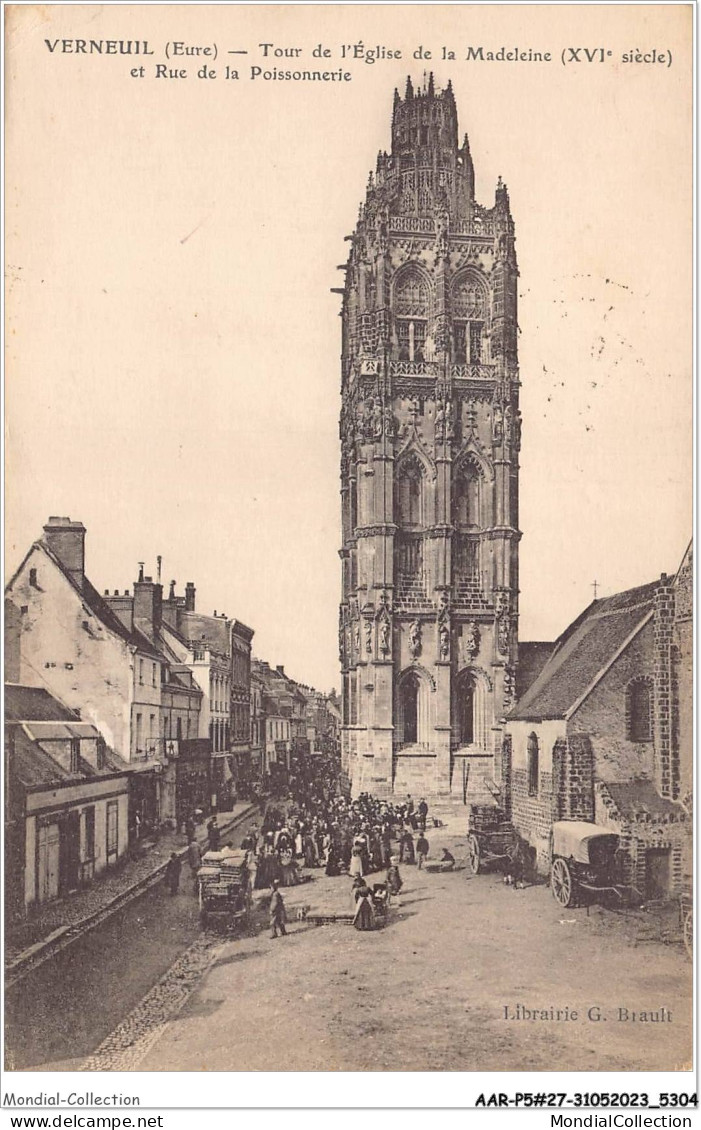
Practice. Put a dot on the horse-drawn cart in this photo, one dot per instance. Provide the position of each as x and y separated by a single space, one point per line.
584 864
224 888
490 838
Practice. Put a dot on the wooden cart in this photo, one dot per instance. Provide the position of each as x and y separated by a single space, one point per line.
490 838
583 863
224 888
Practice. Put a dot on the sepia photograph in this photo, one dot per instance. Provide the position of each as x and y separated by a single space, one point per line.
348 540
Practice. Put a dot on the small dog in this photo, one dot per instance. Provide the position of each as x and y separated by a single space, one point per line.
302 912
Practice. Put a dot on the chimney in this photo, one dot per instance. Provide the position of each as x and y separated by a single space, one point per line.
170 608
123 607
280 670
148 606
66 540
189 597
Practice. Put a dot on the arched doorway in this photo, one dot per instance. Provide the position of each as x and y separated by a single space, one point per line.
469 717
413 709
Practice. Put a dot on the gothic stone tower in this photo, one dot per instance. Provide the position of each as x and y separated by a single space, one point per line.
430 431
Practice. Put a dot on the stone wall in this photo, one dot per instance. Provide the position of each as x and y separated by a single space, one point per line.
638 836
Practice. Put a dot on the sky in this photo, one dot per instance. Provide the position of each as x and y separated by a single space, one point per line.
172 369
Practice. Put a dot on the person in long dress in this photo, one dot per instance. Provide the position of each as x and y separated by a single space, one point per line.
356 864
332 866
394 879
364 913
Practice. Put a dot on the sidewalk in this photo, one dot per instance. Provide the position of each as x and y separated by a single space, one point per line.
73 914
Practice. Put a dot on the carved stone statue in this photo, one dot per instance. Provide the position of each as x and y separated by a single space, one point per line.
415 639
449 420
384 635
442 235
503 634
442 336
444 634
376 419
471 641
356 637
509 686
497 424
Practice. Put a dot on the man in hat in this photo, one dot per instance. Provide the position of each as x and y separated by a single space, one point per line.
278 916
194 858
172 873
421 849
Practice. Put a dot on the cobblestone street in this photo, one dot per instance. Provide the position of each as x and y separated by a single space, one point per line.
428 992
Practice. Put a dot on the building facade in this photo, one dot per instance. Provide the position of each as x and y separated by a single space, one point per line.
604 734
60 634
430 435
66 801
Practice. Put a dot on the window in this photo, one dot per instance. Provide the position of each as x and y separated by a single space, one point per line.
153 675
411 306
101 754
467 497
75 755
475 342
141 672
89 847
112 830
139 734
411 338
409 495
469 314
33 578
638 712
179 728
532 756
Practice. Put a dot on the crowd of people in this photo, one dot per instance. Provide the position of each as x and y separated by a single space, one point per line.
319 828
316 827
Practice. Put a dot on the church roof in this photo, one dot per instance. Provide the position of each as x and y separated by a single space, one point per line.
532 657
583 652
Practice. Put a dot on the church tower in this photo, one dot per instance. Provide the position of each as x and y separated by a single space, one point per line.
430 435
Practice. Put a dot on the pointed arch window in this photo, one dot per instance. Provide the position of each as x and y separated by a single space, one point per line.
411 307
409 495
470 312
468 497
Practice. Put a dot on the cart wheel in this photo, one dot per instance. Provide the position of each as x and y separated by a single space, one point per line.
689 933
562 884
473 853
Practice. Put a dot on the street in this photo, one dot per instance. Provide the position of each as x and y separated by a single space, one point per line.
450 983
